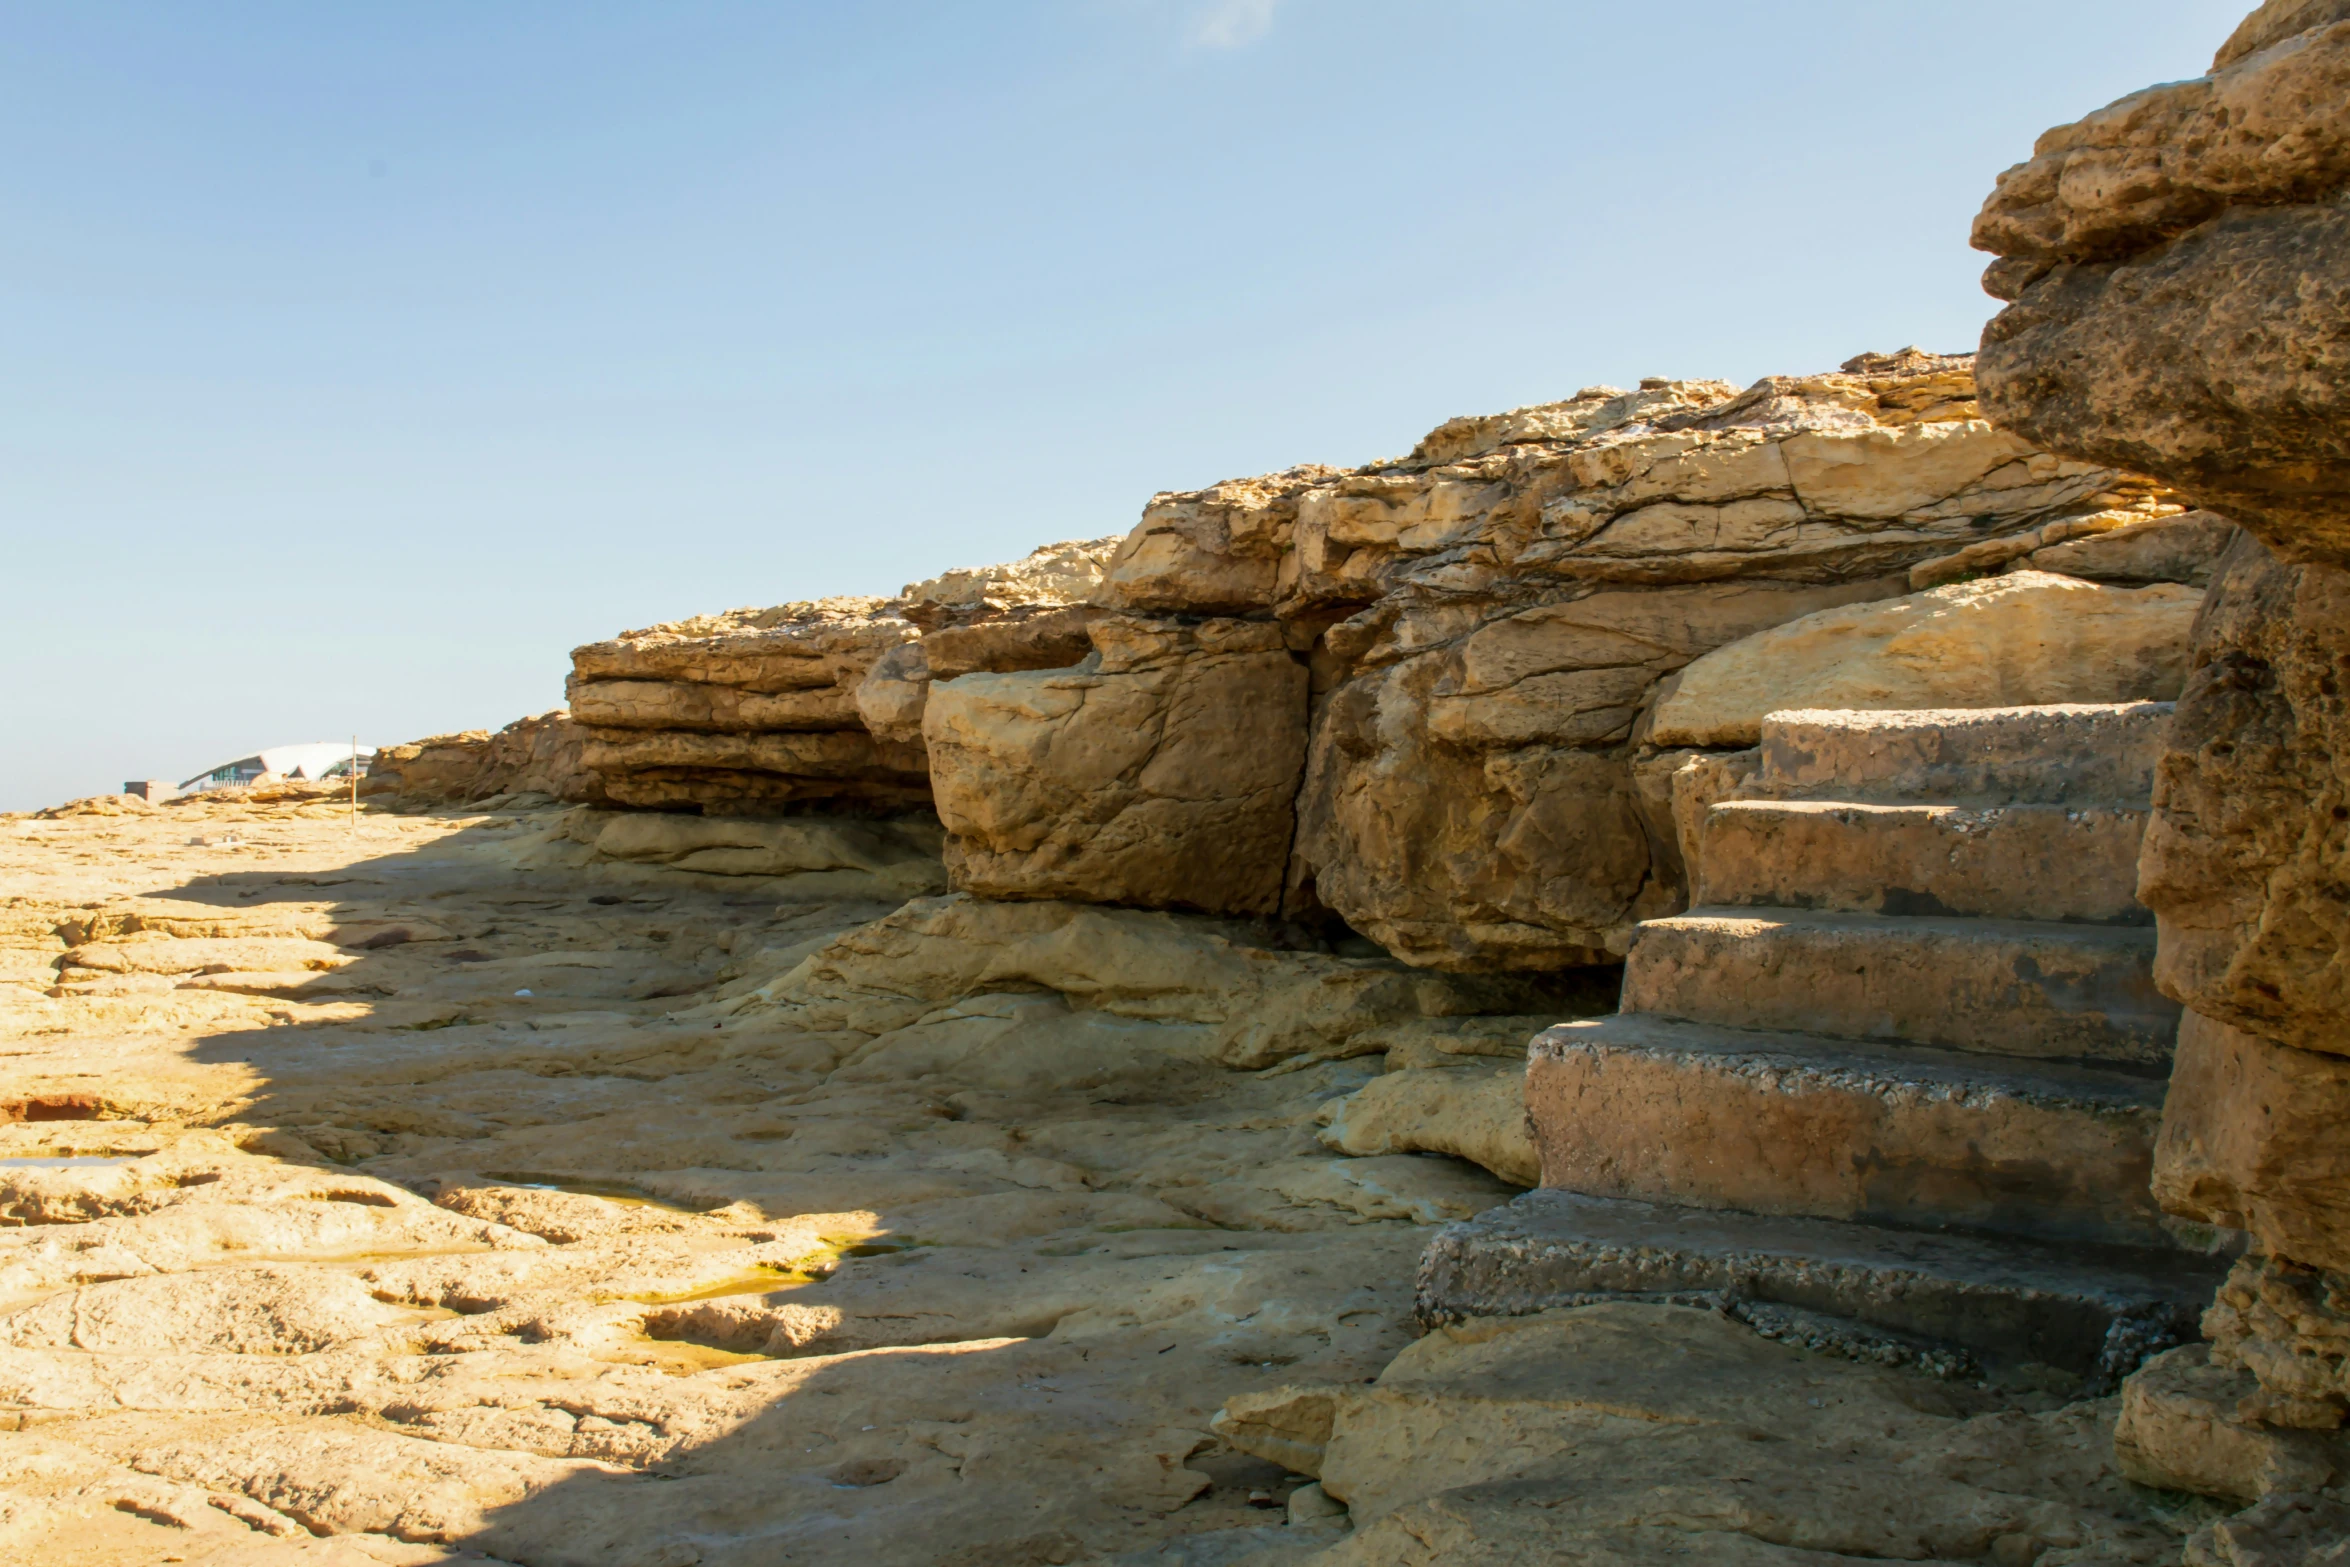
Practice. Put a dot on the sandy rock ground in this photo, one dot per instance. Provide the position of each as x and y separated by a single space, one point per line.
403 1191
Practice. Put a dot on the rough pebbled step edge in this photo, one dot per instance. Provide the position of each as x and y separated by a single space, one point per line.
1812 1330
2003 1302
2064 863
1899 1074
2051 755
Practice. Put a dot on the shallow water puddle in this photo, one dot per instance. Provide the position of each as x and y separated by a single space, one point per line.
758 1281
677 1357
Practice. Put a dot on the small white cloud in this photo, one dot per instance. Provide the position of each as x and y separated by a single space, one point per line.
1231 24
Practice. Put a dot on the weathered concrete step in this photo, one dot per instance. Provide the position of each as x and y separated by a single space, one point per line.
2042 755
2008 1303
2003 987
1666 1111
2023 862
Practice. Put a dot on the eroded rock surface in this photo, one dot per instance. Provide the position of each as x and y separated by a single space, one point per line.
2177 265
762 711
2029 638
1161 771
1637 1433
1489 620
538 755
611 1207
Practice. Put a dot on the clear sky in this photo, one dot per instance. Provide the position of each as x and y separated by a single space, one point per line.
357 361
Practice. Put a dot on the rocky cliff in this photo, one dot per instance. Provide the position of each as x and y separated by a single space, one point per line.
2178 271
1420 698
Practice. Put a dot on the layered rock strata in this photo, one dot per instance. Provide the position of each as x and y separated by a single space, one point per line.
1489 621
1161 771
767 711
537 755
1416 696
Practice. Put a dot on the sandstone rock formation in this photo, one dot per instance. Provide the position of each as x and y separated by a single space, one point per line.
2179 270
2178 267
749 712
1416 696
537 755
1487 621
2025 639
1162 771
763 711
588 1201
1506 1441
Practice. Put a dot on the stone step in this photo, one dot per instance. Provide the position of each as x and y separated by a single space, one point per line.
2008 1304
1666 1111
2023 862
2001 987
2058 755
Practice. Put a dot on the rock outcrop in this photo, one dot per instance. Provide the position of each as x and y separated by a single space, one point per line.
1621 1433
537 755
2178 266
1418 698
1161 771
752 711
2179 270
1489 621
762 712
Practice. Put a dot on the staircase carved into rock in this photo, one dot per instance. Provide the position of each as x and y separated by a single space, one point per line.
1894 1083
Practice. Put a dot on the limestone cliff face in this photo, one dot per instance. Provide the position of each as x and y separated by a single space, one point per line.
2178 266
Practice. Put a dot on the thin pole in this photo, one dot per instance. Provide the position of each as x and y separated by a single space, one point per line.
354 786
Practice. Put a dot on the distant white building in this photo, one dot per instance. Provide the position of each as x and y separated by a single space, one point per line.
318 759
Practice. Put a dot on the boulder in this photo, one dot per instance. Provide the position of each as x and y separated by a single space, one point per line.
2182 1428
1473 1112
2024 639
1160 772
1623 1433
2179 270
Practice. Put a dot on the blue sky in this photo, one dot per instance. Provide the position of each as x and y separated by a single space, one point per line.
360 360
